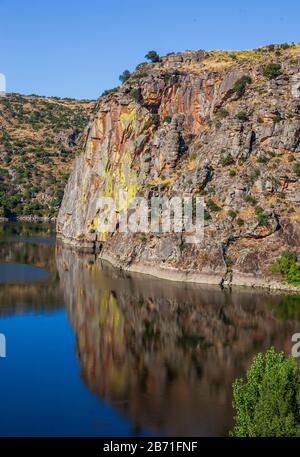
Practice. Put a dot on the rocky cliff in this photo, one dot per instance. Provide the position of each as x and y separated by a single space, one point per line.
224 125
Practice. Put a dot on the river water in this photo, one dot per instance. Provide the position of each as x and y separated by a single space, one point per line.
91 351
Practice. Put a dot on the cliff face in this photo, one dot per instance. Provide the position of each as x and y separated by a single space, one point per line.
222 125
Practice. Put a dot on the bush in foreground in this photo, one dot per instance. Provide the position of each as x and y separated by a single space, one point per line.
267 402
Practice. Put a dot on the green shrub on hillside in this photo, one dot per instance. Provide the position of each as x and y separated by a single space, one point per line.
167 119
261 216
124 76
212 206
242 116
277 118
288 265
109 91
272 70
227 160
222 113
153 56
240 85
240 222
250 199
296 169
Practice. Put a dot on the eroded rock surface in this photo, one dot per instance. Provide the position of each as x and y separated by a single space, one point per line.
180 127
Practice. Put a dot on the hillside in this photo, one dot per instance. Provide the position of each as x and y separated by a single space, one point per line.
39 138
225 125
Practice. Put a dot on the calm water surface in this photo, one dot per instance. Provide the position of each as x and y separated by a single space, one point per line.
93 352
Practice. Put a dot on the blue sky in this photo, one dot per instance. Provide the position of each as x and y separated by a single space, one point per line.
76 48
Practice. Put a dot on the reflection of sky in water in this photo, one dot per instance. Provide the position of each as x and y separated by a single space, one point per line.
13 273
41 391
32 240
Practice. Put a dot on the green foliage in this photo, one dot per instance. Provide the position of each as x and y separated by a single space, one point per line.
142 237
261 217
228 262
275 184
288 265
167 119
139 75
272 70
254 175
267 401
136 94
263 159
222 113
155 119
232 173
212 206
241 84
242 116
250 199
240 222
271 47
288 308
277 118
207 215
153 56
35 166
227 160
109 91
167 77
285 46
296 169
124 76
232 214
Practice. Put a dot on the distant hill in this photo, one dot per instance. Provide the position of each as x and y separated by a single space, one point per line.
39 138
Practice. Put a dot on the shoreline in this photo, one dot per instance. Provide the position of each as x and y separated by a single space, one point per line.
28 219
186 277
189 277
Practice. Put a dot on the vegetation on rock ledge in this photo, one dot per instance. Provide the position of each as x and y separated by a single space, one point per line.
289 266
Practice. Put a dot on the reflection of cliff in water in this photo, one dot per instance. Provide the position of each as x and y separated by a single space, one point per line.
33 245
166 354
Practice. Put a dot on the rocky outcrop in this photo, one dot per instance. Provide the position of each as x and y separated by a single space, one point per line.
185 126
